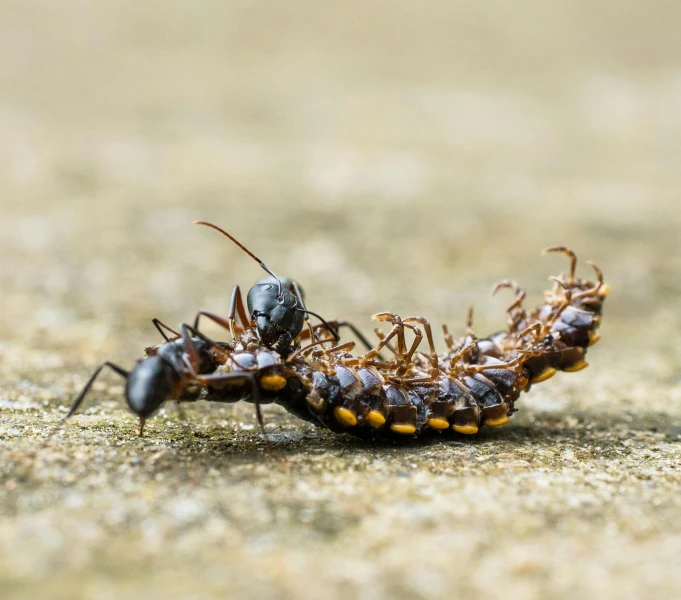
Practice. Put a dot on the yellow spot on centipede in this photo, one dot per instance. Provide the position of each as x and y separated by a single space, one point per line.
345 416
594 338
497 422
522 382
272 383
605 290
403 429
465 429
576 367
544 375
438 423
375 418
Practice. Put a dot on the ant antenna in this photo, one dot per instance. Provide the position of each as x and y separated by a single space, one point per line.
330 329
246 250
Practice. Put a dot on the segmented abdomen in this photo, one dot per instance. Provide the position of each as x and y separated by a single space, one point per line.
362 402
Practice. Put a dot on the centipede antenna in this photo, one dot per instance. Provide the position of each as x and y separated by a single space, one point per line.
246 250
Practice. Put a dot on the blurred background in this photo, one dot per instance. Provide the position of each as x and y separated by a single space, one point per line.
388 155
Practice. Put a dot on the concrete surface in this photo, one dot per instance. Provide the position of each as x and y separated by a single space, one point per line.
390 156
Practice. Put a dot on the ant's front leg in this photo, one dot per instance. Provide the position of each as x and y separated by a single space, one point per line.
236 306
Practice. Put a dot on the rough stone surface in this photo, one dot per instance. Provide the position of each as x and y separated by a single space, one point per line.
390 157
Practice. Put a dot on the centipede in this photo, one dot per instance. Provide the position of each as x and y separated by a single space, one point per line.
400 386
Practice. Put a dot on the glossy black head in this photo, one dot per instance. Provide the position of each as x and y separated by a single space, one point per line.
149 385
278 315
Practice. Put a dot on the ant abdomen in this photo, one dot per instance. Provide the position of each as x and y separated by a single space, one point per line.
150 384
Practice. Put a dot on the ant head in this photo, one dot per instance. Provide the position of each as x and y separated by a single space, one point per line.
149 385
291 285
276 304
276 314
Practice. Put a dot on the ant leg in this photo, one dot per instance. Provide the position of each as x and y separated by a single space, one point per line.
218 320
324 324
237 305
160 325
191 353
250 377
190 347
298 294
78 401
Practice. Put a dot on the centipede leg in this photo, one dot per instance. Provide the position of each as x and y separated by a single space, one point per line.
431 344
397 330
469 322
468 348
449 338
573 260
407 358
380 334
561 308
516 313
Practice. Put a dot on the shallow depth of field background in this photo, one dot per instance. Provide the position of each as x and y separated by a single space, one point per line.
389 156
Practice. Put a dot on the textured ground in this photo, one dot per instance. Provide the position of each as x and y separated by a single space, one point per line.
390 156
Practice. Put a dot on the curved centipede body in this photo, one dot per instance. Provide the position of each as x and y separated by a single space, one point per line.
476 382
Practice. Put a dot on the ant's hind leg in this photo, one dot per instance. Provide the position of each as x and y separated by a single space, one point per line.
207 380
79 400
